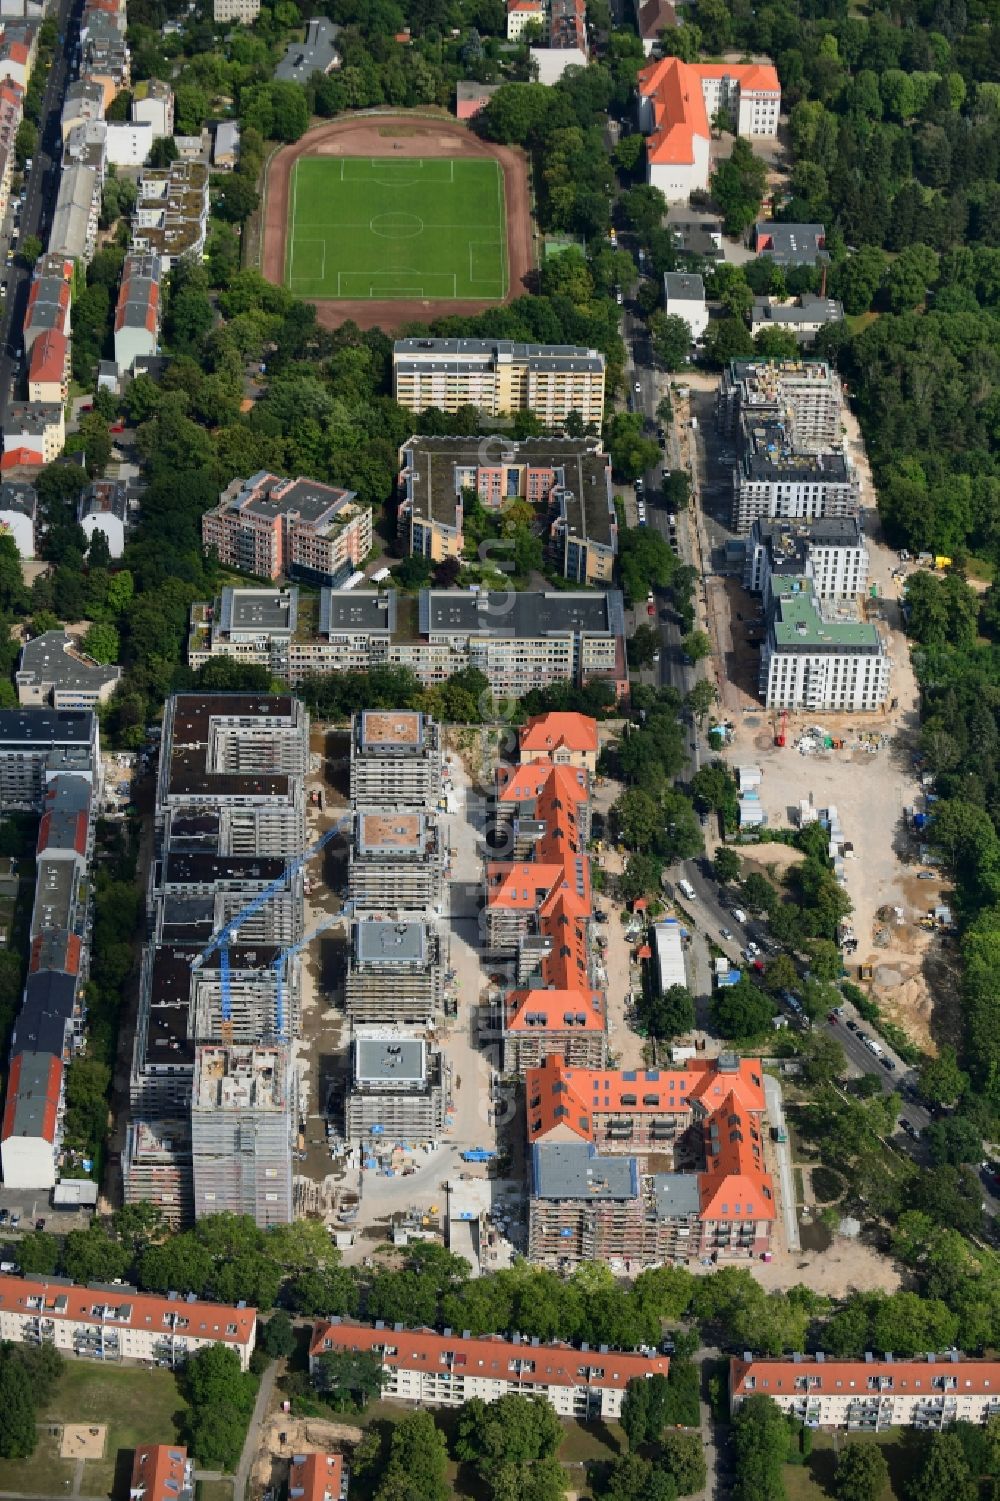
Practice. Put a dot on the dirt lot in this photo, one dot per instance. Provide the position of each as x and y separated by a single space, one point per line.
411 135
270 1466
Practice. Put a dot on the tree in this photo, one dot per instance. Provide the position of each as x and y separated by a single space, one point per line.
238 198
30 249
643 645
25 142
954 1140
508 1440
862 1473
92 1255
944 1474
101 642
726 865
38 1254
18 1434
671 339
742 1012
942 1082
696 646
418 1460
278 1336
758 893
668 1015
701 699
737 186
638 818
727 339
683 1457
348 1379
220 1400
761 1438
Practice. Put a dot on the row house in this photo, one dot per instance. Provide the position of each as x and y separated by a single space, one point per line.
48 368
11 115
868 1396
448 1369
34 434
138 312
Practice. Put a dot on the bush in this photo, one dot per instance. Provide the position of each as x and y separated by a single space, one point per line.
827 1185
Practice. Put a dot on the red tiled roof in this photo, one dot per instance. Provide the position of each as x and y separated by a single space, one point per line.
548 732
679 113
734 1185
656 16
153 1466
489 1356
72 953
48 357
841 1378
21 458
53 1084
126 1307
315 1477
16 51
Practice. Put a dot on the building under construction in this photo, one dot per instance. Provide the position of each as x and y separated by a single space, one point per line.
395 759
242 1120
395 973
397 1088
396 861
231 836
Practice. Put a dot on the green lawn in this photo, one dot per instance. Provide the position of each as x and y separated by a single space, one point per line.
813 1481
388 227
138 1405
44 1474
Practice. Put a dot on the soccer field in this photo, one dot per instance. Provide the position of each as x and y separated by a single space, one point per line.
396 227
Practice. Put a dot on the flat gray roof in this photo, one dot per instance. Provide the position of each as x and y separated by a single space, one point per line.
390 943
317 54
683 287
574 1170
309 499
391 1059
46 727
51 658
356 610
791 244
270 610
676 1194
529 614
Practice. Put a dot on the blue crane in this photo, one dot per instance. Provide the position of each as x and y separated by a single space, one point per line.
220 941
279 965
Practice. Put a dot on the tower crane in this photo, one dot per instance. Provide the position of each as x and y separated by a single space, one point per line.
220 941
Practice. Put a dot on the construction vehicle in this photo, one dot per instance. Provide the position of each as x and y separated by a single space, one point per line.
219 942
781 735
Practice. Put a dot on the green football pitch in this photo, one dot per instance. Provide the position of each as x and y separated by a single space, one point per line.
396 227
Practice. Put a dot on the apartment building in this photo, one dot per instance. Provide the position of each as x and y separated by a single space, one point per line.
561 740
396 860
445 1370
11 115
569 479
226 146
524 13
162 1472
868 1396
52 670
81 187
684 297
130 142
34 434
395 759
318 52
104 507
803 397
828 557
48 369
770 479
677 103
243 1118
271 526
153 104
35 744
395 973
156 1168
821 661
499 376
538 913
397 1087
318 1477
18 515
520 641
83 101
137 314
49 300
791 244
803 316
120 1324
245 12
170 220
566 44
591 1133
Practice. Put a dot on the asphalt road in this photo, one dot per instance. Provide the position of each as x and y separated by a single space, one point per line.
43 186
711 912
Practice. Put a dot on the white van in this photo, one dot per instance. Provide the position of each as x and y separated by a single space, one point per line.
739 915
686 889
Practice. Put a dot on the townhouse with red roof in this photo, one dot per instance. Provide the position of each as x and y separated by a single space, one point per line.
445 1370
677 104
867 1396
561 739
162 1472
317 1477
636 1167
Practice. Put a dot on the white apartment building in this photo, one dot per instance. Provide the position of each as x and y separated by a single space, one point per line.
523 13
811 661
129 142
684 297
120 1324
873 1394
829 556
153 104
445 1370
243 11
499 376
677 103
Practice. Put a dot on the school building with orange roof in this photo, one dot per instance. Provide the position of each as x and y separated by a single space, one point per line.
677 103
636 1167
